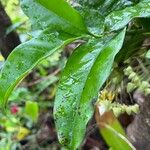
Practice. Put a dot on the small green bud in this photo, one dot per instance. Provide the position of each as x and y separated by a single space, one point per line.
130 87
128 71
148 54
128 110
123 107
135 108
132 76
147 91
145 84
117 111
115 80
136 80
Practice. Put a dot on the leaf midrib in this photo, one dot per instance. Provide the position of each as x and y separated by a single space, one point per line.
12 86
79 103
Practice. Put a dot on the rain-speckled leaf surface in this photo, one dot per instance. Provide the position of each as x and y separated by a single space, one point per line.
26 56
109 6
55 14
118 19
93 20
106 6
85 72
112 14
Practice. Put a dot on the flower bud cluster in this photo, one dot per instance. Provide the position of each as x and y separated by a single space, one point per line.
136 82
105 103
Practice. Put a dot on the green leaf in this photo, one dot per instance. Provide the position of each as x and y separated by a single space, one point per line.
85 72
93 20
95 11
106 6
55 14
109 6
115 136
26 56
118 19
32 110
148 54
131 46
112 131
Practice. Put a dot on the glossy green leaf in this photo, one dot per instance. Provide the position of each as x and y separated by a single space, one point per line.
32 110
148 54
106 6
118 19
26 56
135 39
85 72
93 20
112 131
115 137
109 6
53 14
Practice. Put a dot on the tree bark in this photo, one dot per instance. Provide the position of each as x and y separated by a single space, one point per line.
139 130
10 41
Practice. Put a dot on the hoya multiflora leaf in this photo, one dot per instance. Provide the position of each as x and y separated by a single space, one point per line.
116 14
26 56
105 6
85 72
54 14
118 19
93 20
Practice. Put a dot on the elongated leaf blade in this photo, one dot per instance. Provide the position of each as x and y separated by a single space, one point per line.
25 57
118 19
55 14
86 71
112 131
